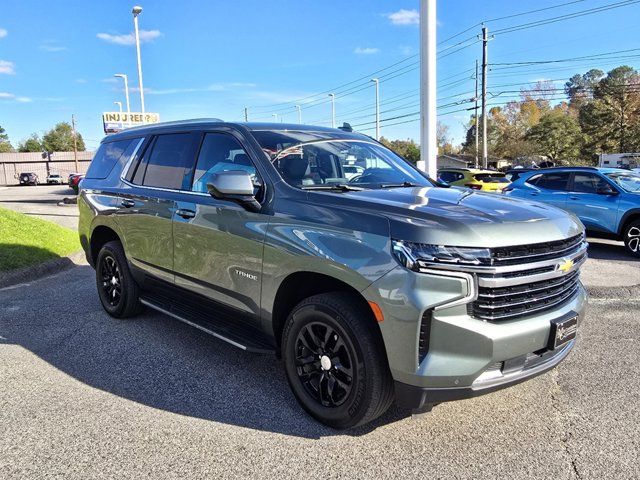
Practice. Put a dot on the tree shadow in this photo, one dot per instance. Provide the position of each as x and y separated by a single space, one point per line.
157 361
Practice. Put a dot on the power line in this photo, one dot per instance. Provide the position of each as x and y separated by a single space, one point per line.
561 18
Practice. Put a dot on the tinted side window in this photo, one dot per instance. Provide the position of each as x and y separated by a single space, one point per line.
219 152
553 181
447 176
170 161
587 183
108 155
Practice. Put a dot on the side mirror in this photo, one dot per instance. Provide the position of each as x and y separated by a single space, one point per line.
606 190
235 186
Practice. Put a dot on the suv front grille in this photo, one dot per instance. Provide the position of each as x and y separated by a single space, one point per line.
526 279
505 303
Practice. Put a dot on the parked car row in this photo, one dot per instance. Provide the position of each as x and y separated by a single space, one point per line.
31 178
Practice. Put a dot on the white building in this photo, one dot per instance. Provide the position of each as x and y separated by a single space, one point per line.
619 160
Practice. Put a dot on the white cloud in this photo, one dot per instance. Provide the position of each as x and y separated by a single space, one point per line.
407 50
6 67
12 97
50 47
3 32
81 80
129 38
366 51
404 17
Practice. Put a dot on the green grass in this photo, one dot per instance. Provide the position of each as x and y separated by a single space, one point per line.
26 240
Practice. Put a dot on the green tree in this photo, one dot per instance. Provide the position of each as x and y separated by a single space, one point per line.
60 139
5 144
610 122
31 144
556 136
580 88
407 149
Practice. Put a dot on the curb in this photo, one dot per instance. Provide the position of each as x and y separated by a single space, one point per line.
35 272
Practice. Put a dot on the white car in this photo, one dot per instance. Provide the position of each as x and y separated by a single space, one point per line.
55 179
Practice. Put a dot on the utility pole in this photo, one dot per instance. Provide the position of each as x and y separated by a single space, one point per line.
137 11
485 146
333 110
428 115
246 114
477 125
377 82
299 108
275 117
75 141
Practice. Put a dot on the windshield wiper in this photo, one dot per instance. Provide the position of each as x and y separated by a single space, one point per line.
398 185
340 187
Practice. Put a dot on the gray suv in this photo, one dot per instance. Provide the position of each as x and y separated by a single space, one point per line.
371 287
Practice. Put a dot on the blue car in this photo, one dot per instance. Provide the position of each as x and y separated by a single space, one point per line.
607 200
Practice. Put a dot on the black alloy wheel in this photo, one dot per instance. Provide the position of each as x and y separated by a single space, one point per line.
335 360
111 281
324 364
117 289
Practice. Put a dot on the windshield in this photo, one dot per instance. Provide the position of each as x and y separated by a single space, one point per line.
628 181
328 163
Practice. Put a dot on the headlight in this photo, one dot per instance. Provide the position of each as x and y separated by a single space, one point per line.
417 255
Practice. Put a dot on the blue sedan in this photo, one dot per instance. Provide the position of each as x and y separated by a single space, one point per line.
607 200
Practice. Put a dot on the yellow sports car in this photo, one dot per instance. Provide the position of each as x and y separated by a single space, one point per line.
485 180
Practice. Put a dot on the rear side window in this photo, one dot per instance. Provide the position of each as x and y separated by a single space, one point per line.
169 164
108 155
551 181
490 178
587 183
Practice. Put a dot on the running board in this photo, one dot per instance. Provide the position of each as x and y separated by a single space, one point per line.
237 335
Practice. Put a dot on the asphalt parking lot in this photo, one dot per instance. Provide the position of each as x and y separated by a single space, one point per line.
83 395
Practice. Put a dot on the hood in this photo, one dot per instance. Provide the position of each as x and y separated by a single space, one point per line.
463 217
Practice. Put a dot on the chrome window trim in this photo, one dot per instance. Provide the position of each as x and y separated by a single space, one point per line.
127 165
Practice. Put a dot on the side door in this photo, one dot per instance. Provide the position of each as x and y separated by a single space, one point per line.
218 244
148 204
598 211
549 188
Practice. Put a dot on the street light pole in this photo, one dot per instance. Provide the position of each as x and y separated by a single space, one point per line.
119 105
126 94
377 82
333 110
299 113
428 115
137 11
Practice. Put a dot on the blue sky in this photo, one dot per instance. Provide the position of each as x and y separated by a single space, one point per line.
212 58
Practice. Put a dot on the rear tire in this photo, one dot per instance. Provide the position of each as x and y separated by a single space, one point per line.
632 238
118 291
335 360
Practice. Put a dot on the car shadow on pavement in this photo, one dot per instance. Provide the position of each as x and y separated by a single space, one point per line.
162 363
602 249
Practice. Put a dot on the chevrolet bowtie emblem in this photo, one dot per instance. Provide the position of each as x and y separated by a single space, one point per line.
565 265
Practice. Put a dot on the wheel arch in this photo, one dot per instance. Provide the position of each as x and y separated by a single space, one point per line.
100 235
300 285
627 218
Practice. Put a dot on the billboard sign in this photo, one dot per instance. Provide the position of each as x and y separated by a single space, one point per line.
115 122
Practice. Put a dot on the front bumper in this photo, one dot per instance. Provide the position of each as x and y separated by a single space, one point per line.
420 398
438 352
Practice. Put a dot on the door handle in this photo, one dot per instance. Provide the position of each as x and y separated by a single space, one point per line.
534 194
184 213
128 203
573 198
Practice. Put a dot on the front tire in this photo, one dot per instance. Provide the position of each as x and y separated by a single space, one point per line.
632 238
118 291
335 360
